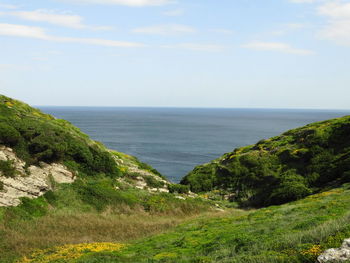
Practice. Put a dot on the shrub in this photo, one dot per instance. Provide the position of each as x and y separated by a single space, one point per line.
179 188
153 182
101 193
292 187
28 209
7 168
8 135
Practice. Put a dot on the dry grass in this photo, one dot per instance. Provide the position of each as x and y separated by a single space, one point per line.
73 228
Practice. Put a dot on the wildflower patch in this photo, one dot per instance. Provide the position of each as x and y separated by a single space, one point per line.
67 253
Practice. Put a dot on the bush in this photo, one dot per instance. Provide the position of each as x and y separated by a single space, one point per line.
101 193
9 136
153 182
292 187
7 168
28 209
179 188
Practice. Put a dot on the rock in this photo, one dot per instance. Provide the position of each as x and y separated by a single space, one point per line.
163 190
32 185
336 254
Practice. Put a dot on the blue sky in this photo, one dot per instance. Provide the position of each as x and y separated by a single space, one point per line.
181 53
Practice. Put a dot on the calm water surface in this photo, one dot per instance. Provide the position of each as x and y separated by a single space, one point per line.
174 141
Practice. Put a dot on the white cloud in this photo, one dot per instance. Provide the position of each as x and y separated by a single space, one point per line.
165 30
287 28
197 47
277 46
40 33
175 12
7 6
335 10
338 25
51 17
133 3
22 31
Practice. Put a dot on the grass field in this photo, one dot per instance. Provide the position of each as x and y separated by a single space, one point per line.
294 232
64 217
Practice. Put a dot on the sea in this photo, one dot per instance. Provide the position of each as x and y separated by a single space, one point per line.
175 140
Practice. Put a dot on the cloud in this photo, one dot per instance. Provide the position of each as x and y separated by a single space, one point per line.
133 3
338 24
174 12
335 10
40 33
277 46
287 28
7 6
197 47
165 30
65 20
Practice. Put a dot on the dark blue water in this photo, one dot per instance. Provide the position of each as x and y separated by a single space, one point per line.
174 141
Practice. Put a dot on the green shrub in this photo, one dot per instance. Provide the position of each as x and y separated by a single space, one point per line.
28 209
7 168
154 183
8 135
179 188
288 191
101 193
150 168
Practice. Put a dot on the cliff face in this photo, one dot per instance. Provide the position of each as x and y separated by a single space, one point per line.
281 169
30 182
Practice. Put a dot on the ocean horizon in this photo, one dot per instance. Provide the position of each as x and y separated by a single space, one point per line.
175 140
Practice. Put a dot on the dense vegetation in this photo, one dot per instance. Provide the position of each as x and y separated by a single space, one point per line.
87 212
103 217
281 169
36 137
296 232
102 205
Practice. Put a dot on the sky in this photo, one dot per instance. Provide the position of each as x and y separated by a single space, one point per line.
177 53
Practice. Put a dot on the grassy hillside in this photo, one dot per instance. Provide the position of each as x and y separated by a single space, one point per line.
106 216
102 205
281 169
295 232
36 137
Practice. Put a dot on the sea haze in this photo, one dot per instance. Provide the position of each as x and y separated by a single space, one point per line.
175 140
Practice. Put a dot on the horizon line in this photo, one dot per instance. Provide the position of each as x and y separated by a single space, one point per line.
189 107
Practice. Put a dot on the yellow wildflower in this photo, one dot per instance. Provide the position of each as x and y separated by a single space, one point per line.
68 252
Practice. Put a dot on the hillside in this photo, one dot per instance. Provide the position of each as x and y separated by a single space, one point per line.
285 168
296 232
57 187
65 198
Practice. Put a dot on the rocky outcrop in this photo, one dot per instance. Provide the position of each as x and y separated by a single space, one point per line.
31 182
341 254
138 176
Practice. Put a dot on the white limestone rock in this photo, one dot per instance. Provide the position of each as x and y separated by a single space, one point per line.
336 254
31 183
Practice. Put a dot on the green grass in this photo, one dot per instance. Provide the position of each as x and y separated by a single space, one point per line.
90 210
98 207
294 232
